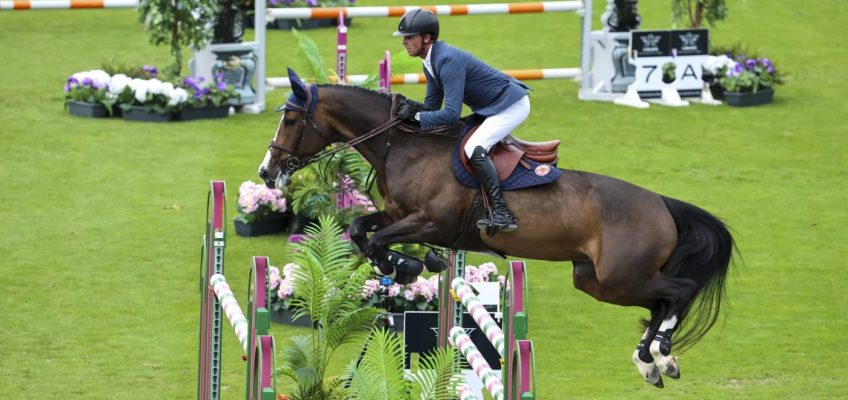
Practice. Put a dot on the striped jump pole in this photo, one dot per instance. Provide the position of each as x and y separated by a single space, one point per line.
582 8
419 78
490 379
231 308
519 365
65 4
397 11
217 300
481 316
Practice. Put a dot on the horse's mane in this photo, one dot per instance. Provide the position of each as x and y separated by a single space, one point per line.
369 92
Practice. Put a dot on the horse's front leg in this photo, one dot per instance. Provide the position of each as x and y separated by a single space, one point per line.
360 227
414 228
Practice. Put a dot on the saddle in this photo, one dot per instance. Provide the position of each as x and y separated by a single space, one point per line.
511 152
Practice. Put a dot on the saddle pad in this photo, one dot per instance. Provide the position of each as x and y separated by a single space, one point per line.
538 174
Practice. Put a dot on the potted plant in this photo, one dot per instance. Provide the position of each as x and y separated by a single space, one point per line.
378 373
327 285
261 210
149 99
207 100
420 295
87 94
743 80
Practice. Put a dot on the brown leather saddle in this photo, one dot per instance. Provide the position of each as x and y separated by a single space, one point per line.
510 152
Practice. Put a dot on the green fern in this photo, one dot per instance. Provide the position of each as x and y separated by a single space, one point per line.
327 290
310 60
379 373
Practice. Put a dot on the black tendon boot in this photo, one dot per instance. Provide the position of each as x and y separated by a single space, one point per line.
502 219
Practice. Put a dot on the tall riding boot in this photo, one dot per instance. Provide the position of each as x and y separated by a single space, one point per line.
502 219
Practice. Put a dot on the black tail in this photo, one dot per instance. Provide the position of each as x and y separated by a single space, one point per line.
703 254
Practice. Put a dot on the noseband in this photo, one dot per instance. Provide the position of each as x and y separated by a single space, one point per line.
294 162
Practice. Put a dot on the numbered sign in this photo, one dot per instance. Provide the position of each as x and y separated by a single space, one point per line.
651 51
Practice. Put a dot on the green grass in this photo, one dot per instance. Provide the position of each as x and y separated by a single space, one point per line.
101 220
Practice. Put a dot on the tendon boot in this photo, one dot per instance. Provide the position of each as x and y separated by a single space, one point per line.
501 218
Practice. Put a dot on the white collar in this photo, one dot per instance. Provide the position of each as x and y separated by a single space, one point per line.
427 61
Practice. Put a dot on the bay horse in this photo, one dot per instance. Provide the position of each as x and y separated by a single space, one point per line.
629 246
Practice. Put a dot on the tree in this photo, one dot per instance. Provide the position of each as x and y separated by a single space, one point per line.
697 10
178 23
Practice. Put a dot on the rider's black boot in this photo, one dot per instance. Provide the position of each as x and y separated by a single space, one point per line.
502 219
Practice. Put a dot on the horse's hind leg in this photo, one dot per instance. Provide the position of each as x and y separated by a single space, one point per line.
653 354
665 297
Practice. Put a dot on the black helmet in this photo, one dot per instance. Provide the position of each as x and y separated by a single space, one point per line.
417 22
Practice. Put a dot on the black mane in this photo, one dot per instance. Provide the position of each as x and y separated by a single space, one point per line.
373 93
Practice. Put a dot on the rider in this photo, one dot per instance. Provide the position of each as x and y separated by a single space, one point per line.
457 77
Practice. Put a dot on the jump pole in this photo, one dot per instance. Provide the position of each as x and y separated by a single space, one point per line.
65 4
517 381
217 300
583 8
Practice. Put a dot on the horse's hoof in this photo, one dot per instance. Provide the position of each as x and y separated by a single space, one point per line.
669 367
649 371
434 263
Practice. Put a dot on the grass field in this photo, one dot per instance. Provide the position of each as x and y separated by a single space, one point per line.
101 220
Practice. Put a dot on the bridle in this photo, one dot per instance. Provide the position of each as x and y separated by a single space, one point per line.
295 162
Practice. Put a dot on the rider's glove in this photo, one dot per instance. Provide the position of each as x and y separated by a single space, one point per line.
407 109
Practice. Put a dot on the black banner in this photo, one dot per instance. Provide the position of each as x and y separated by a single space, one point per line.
651 43
419 335
690 42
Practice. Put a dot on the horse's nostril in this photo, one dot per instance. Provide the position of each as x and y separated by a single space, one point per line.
263 173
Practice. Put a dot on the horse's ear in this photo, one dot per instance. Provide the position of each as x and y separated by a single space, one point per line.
298 87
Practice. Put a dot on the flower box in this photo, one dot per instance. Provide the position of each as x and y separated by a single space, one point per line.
139 113
747 99
88 110
190 114
275 223
284 316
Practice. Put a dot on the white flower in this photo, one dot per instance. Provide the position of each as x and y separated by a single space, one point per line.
118 82
177 96
715 63
155 86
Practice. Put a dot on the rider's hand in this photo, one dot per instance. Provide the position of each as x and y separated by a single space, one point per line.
408 108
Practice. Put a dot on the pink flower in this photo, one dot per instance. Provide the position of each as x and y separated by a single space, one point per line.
393 290
371 286
289 270
286 289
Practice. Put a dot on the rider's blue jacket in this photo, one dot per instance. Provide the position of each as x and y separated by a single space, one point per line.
463 78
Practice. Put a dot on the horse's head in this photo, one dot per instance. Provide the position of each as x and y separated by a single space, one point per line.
298 137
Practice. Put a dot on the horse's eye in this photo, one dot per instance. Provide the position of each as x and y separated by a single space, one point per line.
288 122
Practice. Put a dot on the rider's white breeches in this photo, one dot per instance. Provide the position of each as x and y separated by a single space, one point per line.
497 126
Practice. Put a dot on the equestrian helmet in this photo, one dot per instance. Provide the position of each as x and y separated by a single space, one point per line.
417 22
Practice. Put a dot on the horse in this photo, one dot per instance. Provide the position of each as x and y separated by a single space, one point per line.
628 246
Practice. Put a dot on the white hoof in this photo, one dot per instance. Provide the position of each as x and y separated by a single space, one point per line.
649 371
667 364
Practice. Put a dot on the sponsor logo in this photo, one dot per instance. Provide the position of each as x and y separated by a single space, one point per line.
690 41
542 169
650 42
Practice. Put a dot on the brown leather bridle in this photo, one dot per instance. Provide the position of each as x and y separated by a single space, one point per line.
294 162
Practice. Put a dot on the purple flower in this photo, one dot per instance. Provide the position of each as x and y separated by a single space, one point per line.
750 64
219 76
151 70
311 3
274 2
351 1
221 86
766 62
87 81
736 70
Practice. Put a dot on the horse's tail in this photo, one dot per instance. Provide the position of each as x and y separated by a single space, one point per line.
703 253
